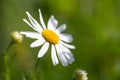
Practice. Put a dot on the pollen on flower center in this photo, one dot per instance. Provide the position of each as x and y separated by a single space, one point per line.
50 36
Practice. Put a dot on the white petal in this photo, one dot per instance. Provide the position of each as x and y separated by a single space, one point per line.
66 37
33 35
29 24
37 43
43 50
69 57
54 56
61 57
41 19
52 23
67 53
34 22
61 28
67 45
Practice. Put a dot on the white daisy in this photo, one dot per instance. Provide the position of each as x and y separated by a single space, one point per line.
50 36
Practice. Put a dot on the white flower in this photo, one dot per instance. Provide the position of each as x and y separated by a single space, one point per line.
50 35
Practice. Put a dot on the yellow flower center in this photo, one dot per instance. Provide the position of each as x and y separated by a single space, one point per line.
50 36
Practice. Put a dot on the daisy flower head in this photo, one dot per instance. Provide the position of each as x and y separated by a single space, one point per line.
50 35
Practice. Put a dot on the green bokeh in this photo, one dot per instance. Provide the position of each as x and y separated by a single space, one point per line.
94 24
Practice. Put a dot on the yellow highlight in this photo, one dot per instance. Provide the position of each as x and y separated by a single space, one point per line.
50 36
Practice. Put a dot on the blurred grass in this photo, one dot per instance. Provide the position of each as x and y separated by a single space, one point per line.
94 24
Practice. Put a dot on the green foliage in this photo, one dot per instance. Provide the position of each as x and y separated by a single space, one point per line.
94 24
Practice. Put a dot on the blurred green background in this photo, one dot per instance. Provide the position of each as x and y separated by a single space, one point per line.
94 24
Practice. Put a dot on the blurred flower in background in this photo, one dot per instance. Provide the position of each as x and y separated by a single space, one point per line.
16 37
80 75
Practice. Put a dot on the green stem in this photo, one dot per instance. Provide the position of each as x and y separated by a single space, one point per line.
35 70
7 71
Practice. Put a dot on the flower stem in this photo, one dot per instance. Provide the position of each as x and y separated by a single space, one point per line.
7 70
35 70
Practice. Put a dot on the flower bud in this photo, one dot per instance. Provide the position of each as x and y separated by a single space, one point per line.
16 37
80 75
